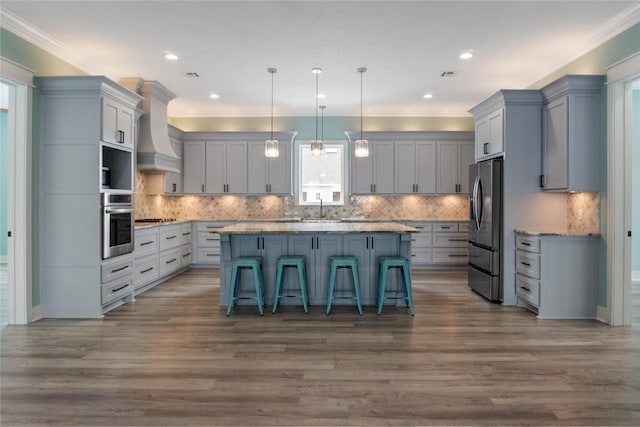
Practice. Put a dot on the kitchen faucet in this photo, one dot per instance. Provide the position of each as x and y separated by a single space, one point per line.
321 214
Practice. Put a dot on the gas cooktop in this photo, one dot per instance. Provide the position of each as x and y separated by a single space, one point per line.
154 220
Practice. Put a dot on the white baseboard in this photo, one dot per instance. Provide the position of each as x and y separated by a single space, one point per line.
635 276
603 315
36 313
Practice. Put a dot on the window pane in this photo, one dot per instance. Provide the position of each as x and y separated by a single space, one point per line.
321 178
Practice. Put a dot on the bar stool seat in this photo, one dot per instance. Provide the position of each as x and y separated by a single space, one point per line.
254 263
344 262
296 261
394 262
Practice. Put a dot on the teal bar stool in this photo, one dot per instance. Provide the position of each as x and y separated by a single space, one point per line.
337 262
254 263
296 261
394 262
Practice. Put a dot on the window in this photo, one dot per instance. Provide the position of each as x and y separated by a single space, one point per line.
321 178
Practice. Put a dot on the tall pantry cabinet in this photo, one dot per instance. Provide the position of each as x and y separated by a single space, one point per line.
85 123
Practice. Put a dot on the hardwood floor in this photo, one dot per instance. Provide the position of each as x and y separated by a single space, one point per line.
173 358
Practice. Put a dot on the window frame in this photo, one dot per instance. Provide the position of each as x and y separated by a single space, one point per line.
297 189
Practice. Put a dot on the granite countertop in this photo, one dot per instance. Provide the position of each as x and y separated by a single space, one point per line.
316 227
141 225
557 233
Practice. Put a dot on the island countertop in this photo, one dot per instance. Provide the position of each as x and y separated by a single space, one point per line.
305 227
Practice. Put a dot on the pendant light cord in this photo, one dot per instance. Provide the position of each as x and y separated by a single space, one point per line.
272 73
317 106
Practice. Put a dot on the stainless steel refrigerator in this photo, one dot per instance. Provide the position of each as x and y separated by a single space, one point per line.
485 229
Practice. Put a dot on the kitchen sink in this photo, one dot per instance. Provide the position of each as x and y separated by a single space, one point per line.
320 220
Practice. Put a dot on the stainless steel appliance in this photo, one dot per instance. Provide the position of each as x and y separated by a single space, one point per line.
485 229
117 225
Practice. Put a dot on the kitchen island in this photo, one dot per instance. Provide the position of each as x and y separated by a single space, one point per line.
317 242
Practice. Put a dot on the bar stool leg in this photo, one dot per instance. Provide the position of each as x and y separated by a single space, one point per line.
302 277
382 281
276 294
257 277
356 285
232 289
406 281
332 281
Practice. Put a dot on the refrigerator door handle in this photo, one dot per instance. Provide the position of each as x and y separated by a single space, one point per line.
479 204
474 202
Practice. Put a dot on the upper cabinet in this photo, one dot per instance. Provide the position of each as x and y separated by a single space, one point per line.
454 159
490 135
193 167
373 174
572 136
269 175
226 167
415 167
117 122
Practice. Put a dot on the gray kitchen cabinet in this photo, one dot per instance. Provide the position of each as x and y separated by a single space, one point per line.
185 244
454 158
145 261
317 249
368 248
225 167
415 167
118 121
206 243
373 174
450 243
193 167
421 244
268 175
572 138
489 141
71 119
557 275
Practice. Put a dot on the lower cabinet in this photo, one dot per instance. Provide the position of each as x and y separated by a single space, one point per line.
116 281
439 244
557 275
206 243
160 253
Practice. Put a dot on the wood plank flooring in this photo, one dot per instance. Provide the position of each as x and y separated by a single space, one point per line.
173 358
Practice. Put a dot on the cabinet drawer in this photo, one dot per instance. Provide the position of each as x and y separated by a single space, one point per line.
421 240
208 256
169 261
170 237
145 270
116 268
116 289
528 263
210 226
528 289
450 240
445 226
146 241
421 226
185 231
528 243
420 255
186 255
450 256
208 240
463 227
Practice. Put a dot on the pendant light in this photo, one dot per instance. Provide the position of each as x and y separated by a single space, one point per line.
317 147
362 145
322 107
271 145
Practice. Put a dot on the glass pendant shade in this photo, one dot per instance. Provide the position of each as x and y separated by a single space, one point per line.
362 148
317 148
271 148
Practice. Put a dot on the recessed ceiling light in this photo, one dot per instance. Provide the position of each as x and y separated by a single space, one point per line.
466 55
322 95
428 95
171 57
214 96
316 70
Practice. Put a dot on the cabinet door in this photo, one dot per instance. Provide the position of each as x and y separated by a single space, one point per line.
384 244
109 120
272 247
447 167
361 174
555 144
405 167
193 167
465 159
258 163
327 245
359 246
425 160
280 170
215 166
126 125
383 167
236 167
496 132
482 137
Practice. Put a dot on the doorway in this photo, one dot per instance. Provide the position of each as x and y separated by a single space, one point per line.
622 232
15 193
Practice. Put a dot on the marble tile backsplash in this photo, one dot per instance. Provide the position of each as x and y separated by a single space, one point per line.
583 214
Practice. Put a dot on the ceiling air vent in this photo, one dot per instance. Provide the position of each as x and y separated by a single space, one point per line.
448 74
191 74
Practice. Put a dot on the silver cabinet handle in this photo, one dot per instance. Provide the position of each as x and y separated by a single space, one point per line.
146 243
171 260
115 270
147 270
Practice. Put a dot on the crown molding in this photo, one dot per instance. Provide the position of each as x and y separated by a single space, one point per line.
39 38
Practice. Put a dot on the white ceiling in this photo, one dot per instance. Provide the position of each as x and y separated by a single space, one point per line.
405 45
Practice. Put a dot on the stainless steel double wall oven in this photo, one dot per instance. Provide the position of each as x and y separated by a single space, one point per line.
117 224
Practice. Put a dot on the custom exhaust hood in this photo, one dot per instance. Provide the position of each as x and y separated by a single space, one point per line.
154 150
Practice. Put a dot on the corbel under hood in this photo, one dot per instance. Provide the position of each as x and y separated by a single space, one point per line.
154 150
